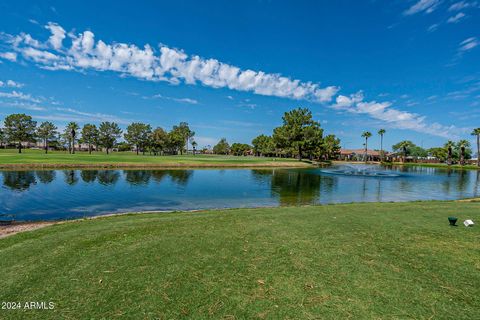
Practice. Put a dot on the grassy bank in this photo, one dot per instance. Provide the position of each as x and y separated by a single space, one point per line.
358 261
437 165
10 159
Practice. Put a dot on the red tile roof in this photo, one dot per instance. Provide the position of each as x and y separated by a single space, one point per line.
360 152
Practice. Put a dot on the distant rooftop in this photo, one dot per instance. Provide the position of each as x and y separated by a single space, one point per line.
361 152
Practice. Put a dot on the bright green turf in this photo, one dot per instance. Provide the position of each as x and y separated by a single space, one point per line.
11 156
354 261
440 165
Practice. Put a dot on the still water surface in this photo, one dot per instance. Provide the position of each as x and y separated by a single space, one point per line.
66 194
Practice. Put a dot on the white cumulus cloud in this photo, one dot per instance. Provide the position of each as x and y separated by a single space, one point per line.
169 64
12 56
81 51
395 118
58 34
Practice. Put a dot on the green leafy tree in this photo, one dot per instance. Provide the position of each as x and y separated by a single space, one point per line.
222 147
138 134
46 131
439 153
90 136
417 152
159 140
240 149
176 140
381 133
263 145
463 149
20 128
184 132
108 134
403 147
314 143
299 132
70 134
476 132
366 135
331 146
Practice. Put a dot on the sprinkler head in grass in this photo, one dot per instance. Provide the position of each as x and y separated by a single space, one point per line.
452 221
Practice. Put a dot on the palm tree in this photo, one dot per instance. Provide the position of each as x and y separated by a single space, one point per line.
462 145
403 145
476 132
71 132
366 135
381 132
194 145
449 146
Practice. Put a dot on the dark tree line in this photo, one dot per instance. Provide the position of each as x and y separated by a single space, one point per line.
21 128
451 152
23 180
300 136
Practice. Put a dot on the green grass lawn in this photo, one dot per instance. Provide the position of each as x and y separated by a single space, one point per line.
439 165
38 157
353 261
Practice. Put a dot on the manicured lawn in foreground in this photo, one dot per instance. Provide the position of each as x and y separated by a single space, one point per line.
33 157
358 261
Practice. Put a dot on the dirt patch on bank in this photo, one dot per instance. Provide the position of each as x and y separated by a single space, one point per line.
14 228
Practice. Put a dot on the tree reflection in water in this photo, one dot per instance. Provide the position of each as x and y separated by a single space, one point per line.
180 177
89 176
477 185
21 180
159 175
289 186
71 177
295 187
463 181
18 180
46 176
108 177
137 177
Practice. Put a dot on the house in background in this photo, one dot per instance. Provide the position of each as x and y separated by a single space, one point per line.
359 154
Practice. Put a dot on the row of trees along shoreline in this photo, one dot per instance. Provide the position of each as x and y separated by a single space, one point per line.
21 128
299 136
451 152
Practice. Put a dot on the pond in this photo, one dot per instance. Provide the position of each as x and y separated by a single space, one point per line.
67 194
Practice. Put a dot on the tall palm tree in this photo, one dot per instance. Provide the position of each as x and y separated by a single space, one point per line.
71 132
462 145
381 132
366 135
449 146
476 132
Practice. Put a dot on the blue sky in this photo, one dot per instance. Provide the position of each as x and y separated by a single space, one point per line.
231 69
